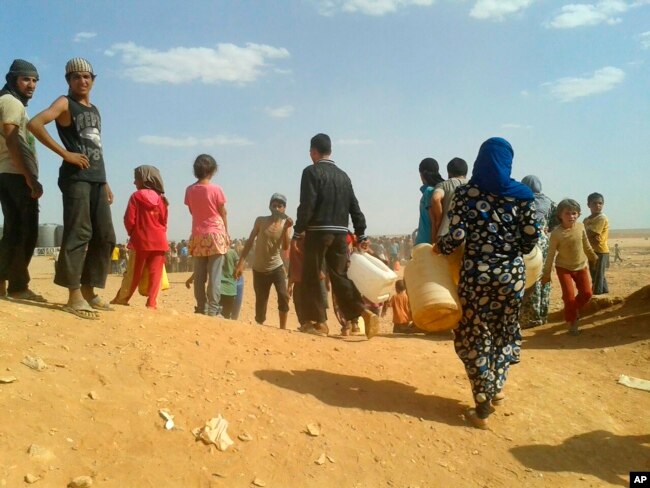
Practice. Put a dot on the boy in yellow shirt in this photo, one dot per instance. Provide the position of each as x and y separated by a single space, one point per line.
597 228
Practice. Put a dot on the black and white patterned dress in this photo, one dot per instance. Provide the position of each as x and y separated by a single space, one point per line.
497 232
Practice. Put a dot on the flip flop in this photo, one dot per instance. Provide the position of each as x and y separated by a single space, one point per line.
81 310
371 321
498 399
98 304
27 295
474 419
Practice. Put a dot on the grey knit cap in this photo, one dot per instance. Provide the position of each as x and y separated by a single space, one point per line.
20 67
279 197
78 65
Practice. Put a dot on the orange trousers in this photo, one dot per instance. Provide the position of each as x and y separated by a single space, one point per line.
572 302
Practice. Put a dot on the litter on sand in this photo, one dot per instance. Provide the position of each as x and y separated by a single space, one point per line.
632 382
215 432
35 363
168 417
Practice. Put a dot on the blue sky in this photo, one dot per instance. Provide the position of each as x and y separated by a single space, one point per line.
391 81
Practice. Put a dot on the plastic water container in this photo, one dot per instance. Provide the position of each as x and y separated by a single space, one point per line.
455 261
534 261
372 277
432 292
46 235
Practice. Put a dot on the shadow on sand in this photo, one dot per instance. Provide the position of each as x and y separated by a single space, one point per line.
347 391
624 322
31 303
607 456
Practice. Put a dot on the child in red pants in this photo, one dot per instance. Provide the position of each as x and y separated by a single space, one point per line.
569 242
145 220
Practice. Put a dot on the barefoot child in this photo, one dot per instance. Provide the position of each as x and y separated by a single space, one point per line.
597 228
145 220
209 241
402 320
569 242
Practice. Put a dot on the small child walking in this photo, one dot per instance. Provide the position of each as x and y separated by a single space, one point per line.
228 283
569 248
209 240
145 221
597 227
402 320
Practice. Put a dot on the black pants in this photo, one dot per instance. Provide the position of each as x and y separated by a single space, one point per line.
88 235
20 231
227 305
262 285
329 250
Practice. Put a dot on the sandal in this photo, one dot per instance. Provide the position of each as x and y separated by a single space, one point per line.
371 321
27 295
498 399
98 304
81 310
474 419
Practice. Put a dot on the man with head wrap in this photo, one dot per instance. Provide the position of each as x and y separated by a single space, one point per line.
270 233
88 234
19 186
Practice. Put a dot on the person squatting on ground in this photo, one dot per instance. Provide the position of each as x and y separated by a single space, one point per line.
145 221
597 227
327 201
534 308
569 248
88 235
494 216
430 177
19 185
270 234
209 241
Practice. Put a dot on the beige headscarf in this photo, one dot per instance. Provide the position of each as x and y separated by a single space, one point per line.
151 179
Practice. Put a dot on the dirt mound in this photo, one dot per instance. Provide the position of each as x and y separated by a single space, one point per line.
640 297
304 410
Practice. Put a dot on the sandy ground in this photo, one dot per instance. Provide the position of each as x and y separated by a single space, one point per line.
388 412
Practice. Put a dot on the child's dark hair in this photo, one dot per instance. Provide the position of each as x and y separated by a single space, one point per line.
430 171
457 167
400 286
205 166
567 204
322 143
595 196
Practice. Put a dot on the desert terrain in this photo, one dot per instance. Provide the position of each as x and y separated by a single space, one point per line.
308 411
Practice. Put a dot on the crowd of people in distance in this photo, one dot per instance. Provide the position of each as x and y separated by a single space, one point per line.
492 220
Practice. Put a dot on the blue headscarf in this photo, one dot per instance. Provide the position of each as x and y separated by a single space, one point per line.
492 170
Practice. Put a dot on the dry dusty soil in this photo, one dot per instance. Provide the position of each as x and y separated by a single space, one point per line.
382 413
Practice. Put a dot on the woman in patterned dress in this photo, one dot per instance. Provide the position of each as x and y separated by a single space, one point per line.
495 217
534 307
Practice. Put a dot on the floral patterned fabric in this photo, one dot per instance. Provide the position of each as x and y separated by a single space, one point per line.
534 307
208 244
497 232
